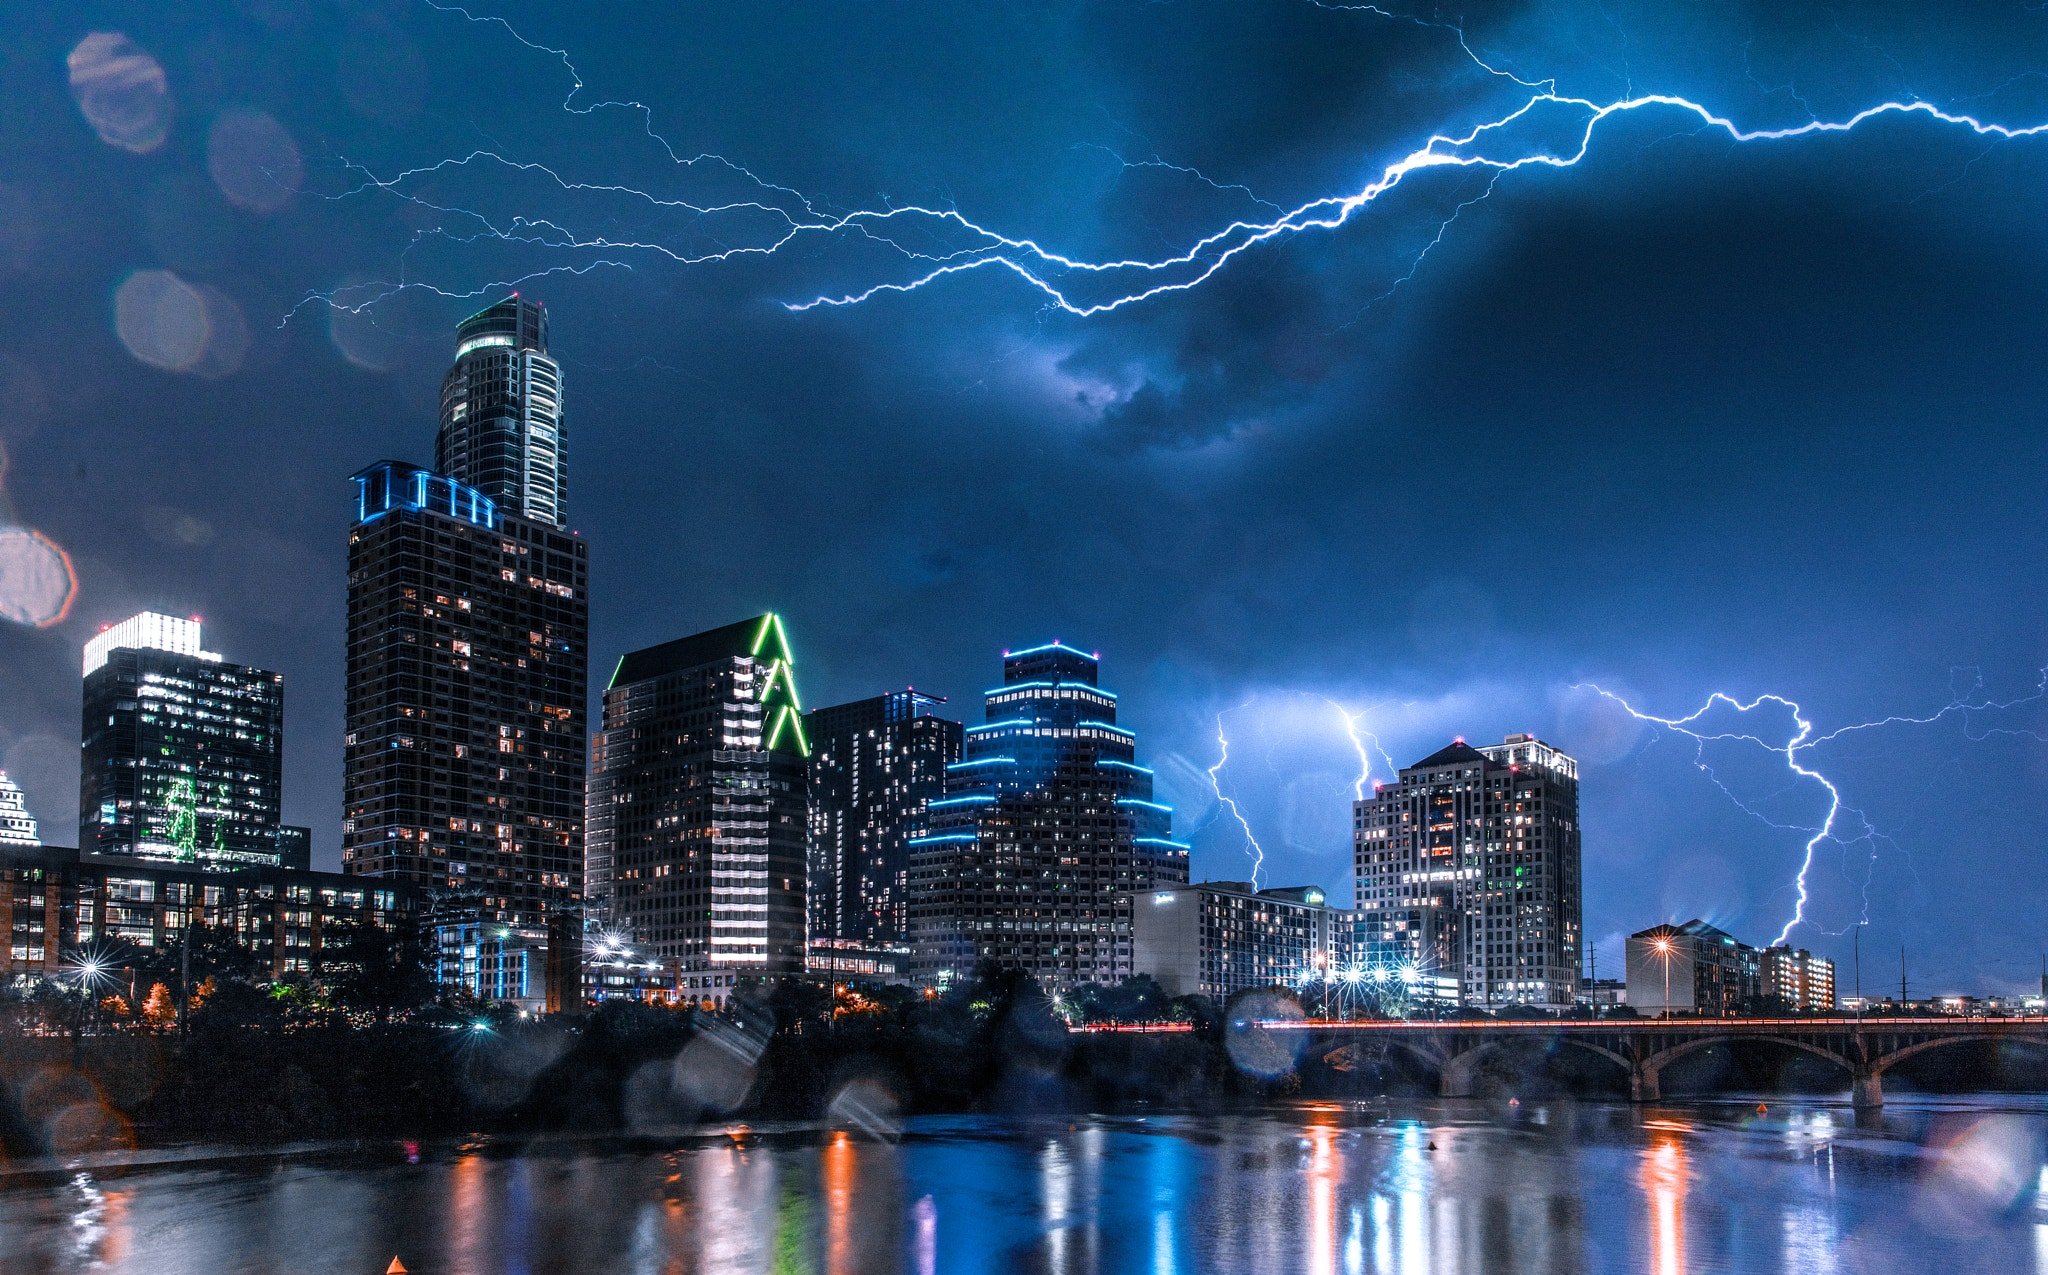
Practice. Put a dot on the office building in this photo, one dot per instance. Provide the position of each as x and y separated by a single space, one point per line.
1795 980
468 649
1468 869
61 906
17 825
698 806
181 752
1695 969
874 764
1219 938
1046 831
501 413
295 847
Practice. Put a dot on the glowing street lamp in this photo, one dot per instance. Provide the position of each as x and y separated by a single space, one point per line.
1663 946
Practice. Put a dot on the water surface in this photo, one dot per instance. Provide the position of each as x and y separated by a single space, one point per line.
1954 1187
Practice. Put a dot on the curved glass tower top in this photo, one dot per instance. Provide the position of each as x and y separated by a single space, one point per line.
501 412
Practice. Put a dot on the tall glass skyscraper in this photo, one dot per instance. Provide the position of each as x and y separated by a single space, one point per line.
698 806
1046 820
1468 871
468 650
501 412
874 764
181 752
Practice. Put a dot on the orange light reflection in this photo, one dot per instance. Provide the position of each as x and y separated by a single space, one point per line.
1664 1181
839 1173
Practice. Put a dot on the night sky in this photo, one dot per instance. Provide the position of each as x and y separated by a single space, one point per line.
1689 416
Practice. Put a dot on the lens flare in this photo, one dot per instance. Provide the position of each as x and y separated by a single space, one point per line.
121 90
37 581
254 161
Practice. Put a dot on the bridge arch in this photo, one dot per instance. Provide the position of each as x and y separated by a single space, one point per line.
1883 1063
1656 1062
1461 1069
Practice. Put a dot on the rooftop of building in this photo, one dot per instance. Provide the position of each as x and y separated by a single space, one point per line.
1456 753
761 636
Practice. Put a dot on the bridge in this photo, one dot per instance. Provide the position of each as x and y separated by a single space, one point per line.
1865 1048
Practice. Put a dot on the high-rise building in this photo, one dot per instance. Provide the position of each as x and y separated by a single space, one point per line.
1223 937
1468 868
501 412
874 764
698 806
17 825
1047 829
468 650
181 752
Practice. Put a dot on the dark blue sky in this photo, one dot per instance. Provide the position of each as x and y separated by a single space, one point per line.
1691 415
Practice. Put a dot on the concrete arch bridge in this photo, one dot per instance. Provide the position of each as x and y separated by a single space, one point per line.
1865 1048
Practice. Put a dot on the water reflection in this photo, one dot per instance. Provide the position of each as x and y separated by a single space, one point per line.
1664 1182
1319 1191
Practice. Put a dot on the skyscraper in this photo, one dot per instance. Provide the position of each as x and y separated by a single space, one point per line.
468 648
1468 870
1046 821
698 805
501 412
181 752
17 825
874 764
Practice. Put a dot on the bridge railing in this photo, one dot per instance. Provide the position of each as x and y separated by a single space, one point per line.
1828 1023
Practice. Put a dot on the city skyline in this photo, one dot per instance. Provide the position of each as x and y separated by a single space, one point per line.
1704 441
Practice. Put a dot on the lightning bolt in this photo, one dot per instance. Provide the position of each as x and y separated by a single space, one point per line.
943 242
1229 803
1358 737
1801 741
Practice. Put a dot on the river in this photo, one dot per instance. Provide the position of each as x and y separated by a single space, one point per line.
1949 1185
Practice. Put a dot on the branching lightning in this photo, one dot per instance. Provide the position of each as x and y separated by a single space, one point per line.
1230 803
1798 744
941 242
1358 737
1361 739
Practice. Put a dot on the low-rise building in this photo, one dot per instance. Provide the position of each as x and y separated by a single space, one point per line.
62 907
843 960
1797 981
1694 969
1602 993
1222 937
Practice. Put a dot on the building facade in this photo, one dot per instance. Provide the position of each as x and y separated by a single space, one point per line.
1468 868
62 906
1695 969
874 764
468 681
17 825
1795 980
1219 938
1046 831
699 806
468 650
501 413
181 752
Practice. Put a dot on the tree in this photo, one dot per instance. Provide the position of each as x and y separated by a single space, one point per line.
379 971
158 1010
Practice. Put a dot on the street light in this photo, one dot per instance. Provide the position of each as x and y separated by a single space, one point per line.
1663 946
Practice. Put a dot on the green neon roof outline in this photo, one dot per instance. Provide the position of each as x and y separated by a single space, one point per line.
786 716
